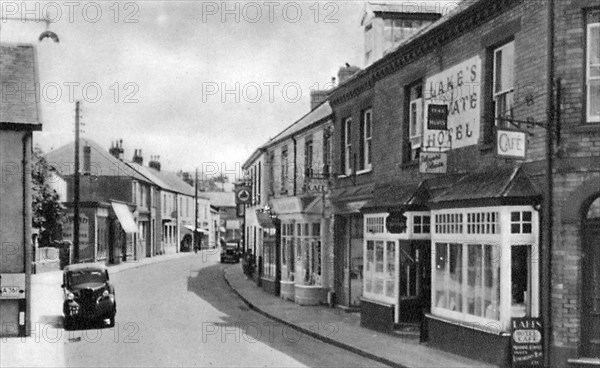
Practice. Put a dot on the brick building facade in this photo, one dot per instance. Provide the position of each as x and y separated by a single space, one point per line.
486 219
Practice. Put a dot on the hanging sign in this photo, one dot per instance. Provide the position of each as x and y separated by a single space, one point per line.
433 162
511 143
395 223
242 195
437 117
526 338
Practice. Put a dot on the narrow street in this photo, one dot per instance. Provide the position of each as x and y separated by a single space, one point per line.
182 313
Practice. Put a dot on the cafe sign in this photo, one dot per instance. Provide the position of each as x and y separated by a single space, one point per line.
433 162
511 143
317 185
526 338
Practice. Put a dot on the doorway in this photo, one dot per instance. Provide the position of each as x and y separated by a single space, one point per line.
591 281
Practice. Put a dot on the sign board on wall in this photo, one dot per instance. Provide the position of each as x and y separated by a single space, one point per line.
437 117
458 87
433 162
84 229
317 185
511 143
526 341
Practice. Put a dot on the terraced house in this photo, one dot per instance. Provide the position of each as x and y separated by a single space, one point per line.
468 194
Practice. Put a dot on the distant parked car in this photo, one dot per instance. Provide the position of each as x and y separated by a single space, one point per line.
230 253
88 295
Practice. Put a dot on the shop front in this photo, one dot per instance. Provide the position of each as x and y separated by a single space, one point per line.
302 253
268 258
485 263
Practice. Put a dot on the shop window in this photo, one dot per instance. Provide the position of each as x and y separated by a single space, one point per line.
483 223
375 225
593 67
449 223
380 269
448 274
521 222
421 224
483 281
366 140
521 268
503 83
269 262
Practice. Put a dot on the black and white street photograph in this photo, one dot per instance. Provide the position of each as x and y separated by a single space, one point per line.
300 184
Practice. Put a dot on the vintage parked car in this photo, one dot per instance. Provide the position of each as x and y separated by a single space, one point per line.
88 295
230 253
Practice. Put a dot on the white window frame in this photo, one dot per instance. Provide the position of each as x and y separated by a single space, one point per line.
590 118
505 95
415 121
367 139
347 146
504 240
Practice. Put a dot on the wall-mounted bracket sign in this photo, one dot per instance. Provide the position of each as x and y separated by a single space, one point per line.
511 143
526 342
395 223
433 162
437 117
242 195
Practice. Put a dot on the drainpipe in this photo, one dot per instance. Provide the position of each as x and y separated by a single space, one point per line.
295 166
547 221
25 328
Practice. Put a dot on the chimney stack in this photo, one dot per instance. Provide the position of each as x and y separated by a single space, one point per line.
154 162
346 72
137 157
116 149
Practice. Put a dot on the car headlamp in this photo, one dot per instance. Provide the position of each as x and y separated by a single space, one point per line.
70 296
105 293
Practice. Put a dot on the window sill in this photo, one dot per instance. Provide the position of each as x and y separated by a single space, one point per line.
484 147
587 128
365 171
409 164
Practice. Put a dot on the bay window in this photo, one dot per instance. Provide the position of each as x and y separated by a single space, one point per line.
485 264
593 67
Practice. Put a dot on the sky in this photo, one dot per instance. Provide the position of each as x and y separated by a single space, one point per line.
201 84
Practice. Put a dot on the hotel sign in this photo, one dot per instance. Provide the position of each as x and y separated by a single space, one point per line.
511 143
433 162
458 88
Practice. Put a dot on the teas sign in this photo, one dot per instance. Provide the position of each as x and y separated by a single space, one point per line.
459 88
527 348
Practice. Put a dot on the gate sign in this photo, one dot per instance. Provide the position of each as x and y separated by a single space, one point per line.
526 338
511 143
437 117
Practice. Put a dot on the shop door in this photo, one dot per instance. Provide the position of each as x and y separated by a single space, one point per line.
341 279
591 289
415 280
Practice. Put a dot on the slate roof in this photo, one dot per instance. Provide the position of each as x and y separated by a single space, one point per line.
500 183
17 72
220 199
102 163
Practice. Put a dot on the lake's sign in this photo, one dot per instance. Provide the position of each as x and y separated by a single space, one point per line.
511 143
527 343
459 88
433 162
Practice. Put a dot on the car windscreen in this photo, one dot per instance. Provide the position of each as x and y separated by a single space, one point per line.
85 277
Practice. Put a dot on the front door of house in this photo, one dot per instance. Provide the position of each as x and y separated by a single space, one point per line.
591 283
415 280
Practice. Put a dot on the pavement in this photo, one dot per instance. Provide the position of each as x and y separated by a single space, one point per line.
340 328
45 345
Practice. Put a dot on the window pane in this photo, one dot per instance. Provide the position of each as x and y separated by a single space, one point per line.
520 280
491 283
594 98
455 283
440 275
379 257
370 256
390 269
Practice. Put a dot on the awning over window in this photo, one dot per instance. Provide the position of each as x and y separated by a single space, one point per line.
125 217
191 229
500 186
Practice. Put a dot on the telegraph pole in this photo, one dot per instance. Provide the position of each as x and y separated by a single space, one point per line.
195 235
76 189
